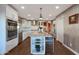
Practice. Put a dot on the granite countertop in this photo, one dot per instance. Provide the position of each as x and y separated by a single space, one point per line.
40 34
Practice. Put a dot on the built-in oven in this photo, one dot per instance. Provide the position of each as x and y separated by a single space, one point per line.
12 29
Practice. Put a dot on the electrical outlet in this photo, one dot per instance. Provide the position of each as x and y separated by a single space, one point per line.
70 44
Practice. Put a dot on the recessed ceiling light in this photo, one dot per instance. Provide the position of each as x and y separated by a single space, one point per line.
22 7
29 15
50 15
57 7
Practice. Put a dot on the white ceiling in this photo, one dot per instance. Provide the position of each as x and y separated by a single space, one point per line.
34 10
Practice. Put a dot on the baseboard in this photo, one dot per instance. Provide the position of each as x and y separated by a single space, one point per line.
16 46
76 53
59 42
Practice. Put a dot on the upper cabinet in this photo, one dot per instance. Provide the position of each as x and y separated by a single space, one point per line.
11 13
35 23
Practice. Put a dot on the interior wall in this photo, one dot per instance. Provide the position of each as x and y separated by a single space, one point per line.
26 25
71 31
60 28
71 34
2 29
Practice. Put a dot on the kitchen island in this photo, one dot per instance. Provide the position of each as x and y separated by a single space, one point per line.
39 40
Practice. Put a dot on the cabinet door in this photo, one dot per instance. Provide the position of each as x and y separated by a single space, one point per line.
20 38
11 44
14 15
24 35
11 13
8 12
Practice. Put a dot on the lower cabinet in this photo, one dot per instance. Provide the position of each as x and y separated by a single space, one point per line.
11 44
38 45
20 38
49 45
24 35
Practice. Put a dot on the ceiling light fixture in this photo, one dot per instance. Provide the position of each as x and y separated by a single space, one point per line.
22 7
29 15
41 14
50 15
57 7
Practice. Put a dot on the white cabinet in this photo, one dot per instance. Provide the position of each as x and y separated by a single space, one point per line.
14 15
11 44
24 35
8 12
11 13
37 44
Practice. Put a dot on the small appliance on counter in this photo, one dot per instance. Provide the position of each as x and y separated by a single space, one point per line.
37 45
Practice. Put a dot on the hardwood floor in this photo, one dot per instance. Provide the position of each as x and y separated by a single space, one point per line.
24 49
61 50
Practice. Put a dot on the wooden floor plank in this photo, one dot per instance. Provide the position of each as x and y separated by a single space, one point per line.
24 49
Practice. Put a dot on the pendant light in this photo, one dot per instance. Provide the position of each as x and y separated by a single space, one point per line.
41 14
